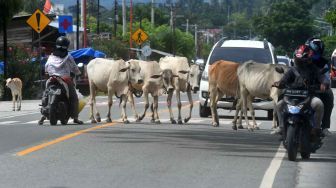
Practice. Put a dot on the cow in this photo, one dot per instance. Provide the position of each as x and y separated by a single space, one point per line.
152 84
177 75
223 80
113 77
255 80
15 85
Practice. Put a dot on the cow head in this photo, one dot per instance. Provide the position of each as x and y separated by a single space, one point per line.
8 82
194 77
167 79
134 72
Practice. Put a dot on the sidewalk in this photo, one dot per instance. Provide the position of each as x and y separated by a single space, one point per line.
27 107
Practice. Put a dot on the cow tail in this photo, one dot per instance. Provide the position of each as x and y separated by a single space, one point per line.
236 98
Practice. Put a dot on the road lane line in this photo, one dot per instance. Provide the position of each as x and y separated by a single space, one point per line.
21 114
272 170
7 122
77 133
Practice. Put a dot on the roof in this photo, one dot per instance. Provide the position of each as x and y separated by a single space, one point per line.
243 43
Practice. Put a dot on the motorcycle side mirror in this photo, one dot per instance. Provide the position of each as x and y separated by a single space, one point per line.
80 65
279 70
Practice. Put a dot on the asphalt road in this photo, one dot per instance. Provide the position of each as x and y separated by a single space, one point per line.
152 155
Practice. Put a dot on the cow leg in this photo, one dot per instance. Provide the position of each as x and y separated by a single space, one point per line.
251 109
234 122
191 104
109 104
131 100
213 106
123 104
13 100
92 102
155 109
179 105
169 99
19 101
274 123
145 94
244 94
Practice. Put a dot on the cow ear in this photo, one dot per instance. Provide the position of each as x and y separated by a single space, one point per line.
183 72
124 69
156 76
175 75
279 69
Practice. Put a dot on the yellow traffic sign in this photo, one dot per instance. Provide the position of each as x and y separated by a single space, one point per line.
38 21
139 36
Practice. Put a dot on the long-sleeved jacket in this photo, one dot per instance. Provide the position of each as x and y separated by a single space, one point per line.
61 66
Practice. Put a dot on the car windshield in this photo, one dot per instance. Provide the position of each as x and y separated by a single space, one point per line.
285 60
241 55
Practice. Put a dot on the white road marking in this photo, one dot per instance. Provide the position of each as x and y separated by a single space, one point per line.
272 170
8 122
21 114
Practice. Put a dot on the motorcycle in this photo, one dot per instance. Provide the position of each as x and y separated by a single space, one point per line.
298 124
55 101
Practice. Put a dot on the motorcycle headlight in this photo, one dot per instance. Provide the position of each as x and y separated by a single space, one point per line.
205 75
294 109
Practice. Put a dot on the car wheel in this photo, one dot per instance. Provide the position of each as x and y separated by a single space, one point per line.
204 111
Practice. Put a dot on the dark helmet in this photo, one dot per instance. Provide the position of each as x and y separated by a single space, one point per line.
302 55
317 46
62 42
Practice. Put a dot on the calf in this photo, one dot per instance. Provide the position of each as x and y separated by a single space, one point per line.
15 85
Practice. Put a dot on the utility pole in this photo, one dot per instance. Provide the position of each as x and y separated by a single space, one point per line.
115 17
4 27
84 23
98 14
152 14
77 28
187 27
124 17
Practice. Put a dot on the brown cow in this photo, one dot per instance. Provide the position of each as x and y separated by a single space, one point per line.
223 80
15 85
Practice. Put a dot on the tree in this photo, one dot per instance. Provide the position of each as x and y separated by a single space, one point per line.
286 25
8 9
331 18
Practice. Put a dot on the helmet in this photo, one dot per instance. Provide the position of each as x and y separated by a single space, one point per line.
317 46
302 55
62 42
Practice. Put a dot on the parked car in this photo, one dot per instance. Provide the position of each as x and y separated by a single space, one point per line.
285 60
238 51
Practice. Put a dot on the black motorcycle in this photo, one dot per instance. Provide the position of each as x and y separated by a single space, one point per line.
298 124
55 102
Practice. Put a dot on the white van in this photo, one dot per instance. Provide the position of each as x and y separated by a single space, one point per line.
238 51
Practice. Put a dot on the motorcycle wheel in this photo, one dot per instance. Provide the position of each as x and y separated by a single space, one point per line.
53 115
291 144
305 146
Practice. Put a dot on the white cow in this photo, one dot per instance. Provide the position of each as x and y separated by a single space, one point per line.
255 80
113 77
177 76
15 85
152 83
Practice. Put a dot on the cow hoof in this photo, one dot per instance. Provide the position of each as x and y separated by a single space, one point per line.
13 109
173 121
186 120
180 122
138 120
98 119
126 122
18 109
240 127
152 120
108 120
93 121
215 124
250 129
234 127
256 128
157 121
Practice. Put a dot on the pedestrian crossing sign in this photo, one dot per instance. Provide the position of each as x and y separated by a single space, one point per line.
139 36
38 21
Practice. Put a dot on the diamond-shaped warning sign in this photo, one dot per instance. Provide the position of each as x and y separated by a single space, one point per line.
38 21
139 36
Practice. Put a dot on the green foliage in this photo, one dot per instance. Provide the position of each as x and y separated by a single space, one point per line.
287 24
238 26
21 66
330 45
112 48
8 9
331 17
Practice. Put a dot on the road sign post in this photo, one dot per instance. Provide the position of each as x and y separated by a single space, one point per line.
38 22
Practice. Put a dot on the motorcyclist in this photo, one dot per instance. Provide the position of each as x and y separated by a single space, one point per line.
304 75
61 63
327 97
